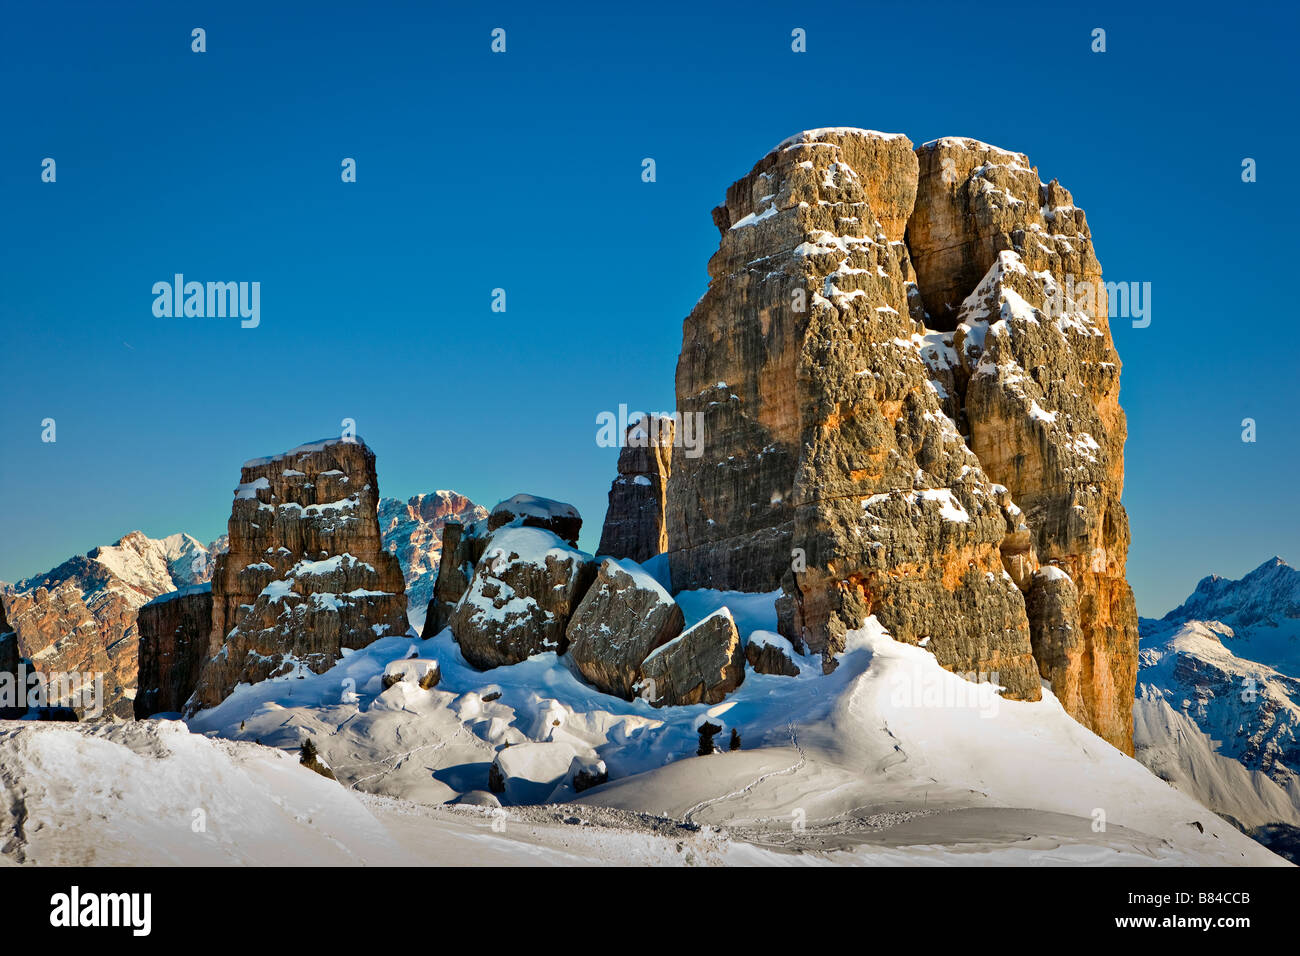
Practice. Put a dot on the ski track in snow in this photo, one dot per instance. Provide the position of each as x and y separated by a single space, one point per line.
793 768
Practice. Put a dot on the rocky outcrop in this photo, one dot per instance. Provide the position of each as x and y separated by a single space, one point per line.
525 588
1052 604
975 201
413 530
635 525
12 694
703 664
306 574
463 546
874 459
530 511
174 632
624 616
461 549
81 616
785 227
830 466
1037 389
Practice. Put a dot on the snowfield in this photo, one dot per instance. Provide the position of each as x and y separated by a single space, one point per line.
889 759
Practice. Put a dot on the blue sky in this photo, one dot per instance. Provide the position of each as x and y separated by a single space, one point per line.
522 171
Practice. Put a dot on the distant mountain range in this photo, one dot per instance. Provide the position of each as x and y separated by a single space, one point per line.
412 530
81 615
1217 712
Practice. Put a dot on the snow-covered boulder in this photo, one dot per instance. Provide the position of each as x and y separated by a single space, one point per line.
769 653
587 772
530 511
524 590
530 772
477 798
702 665
420 671
625 615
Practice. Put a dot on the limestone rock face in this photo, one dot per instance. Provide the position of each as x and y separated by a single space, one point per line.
525 588
830 467
635 521
803 212
174 631
1053 607
306 574
702 665
875 459
975 201
530 511
460 552
10 658
623 617
1036 386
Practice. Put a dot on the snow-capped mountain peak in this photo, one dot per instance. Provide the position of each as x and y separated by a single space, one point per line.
1218 697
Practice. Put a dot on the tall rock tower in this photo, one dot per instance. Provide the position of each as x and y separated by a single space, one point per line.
306 574
907 414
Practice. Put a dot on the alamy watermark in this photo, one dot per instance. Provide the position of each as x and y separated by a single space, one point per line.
921 687
1124 300
211 300
33 688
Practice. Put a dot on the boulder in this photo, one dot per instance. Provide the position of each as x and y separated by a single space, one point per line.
768 653
624 616
524 590
529 511
306 576
702 665
635 524
585 773
477 798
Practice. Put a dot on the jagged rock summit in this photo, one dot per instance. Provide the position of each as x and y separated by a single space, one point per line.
910 402
306 574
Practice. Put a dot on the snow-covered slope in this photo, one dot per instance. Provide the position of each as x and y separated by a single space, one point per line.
889 758
153 794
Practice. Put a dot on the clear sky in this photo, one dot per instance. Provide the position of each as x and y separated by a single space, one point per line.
522 171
